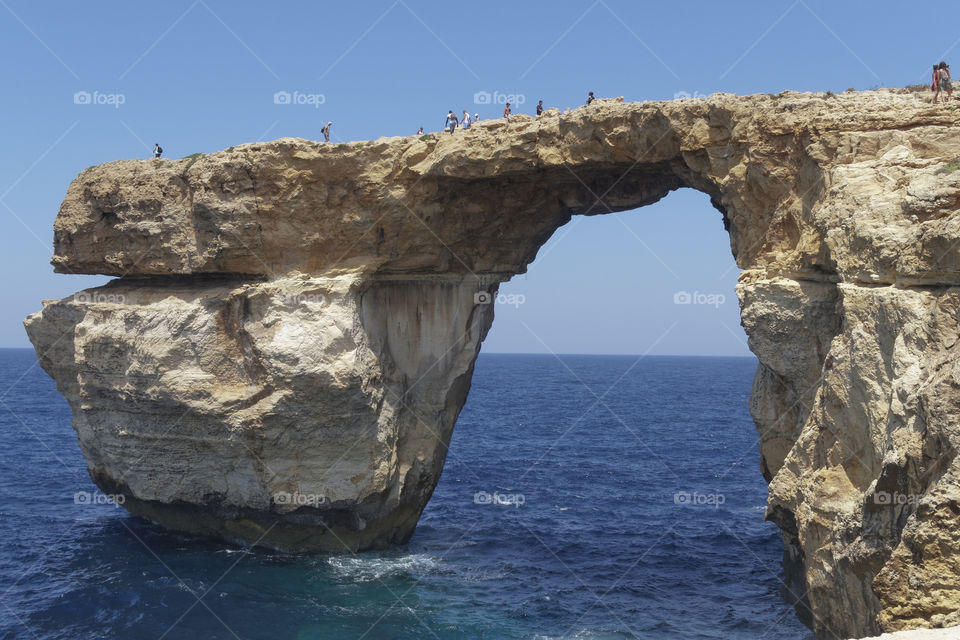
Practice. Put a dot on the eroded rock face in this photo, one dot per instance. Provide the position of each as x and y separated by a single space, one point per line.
293 329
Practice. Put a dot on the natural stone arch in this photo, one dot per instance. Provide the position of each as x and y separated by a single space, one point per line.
298 319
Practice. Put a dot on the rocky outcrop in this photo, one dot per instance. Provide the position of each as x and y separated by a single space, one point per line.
292 330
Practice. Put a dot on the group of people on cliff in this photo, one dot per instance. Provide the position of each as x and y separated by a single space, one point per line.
452 122
941 81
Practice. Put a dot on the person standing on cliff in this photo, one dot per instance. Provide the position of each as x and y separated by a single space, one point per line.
157 150
451 122
590 97
465 121
945 84
540 108
420 131
506 111
326 132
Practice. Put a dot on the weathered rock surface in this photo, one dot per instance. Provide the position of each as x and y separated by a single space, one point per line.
293 330
951 633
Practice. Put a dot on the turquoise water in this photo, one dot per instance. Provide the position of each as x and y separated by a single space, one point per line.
638 515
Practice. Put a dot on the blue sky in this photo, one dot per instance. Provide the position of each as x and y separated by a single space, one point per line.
201 75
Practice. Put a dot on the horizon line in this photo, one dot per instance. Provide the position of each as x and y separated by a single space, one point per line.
547 353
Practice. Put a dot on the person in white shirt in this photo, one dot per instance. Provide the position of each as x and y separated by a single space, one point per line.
465 122
451 122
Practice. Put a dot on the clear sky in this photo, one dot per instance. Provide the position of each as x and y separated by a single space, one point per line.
201 75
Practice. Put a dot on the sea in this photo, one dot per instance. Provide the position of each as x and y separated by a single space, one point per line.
595 497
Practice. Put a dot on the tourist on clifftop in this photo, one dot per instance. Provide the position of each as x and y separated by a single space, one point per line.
451 122
590 97
157 150
420 131
540 108
506 111
326 132
465 121
944 84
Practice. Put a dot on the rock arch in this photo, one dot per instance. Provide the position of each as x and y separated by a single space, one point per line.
292 332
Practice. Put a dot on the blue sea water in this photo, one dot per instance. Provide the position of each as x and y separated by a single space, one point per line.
583 497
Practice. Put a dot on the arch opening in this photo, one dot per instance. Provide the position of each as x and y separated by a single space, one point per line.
634 447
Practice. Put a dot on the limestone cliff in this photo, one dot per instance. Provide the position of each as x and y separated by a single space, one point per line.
292 332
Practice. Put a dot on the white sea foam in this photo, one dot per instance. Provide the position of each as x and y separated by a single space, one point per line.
365 569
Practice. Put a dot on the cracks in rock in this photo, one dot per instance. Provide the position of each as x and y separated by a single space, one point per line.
256 203
232 314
